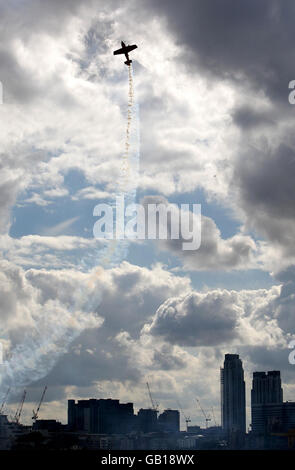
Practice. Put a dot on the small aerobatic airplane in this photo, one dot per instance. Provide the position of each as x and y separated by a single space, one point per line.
125 50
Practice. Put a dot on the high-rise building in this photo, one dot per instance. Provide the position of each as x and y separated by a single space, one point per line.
147 420
169 421
101 416
268 411
233 401
266 388
270 418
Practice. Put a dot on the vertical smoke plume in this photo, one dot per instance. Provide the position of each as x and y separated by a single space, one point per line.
117 250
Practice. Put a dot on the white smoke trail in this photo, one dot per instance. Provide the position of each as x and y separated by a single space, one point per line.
117 250
44 344
52 334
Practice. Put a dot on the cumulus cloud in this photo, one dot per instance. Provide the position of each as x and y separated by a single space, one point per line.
197 320
124 298
35 334
218 317
129 294
214 252
283 305
48 251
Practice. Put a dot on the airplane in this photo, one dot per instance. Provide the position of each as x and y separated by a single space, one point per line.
125 50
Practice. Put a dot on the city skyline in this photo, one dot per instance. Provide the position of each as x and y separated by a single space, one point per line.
265 387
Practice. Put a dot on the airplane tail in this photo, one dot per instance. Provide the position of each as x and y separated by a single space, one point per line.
128 62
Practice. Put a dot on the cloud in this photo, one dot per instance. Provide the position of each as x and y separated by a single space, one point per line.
248 117
216 317
50 105
8 193
283 305
264 184
47 251
129 294
257 168
214 253
166 358
197 320
216 35
35 335
60 228
125 298
91 193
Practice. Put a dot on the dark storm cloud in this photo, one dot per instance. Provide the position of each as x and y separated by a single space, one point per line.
265 181
265 172
248 118
249 43
241 40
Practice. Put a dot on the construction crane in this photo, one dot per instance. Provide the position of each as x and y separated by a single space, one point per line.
155 406
187 418
207 419
35 413
4 401
20 408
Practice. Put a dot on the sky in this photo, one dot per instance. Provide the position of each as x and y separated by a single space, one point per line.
215 128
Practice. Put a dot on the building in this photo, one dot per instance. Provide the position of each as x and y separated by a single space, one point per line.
169 421
233 402
101 416
266 388
147 420
9 432
194 429
268 412
268 418
50 425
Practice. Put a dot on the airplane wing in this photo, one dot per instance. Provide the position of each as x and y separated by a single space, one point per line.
120 51
130 48
125 50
